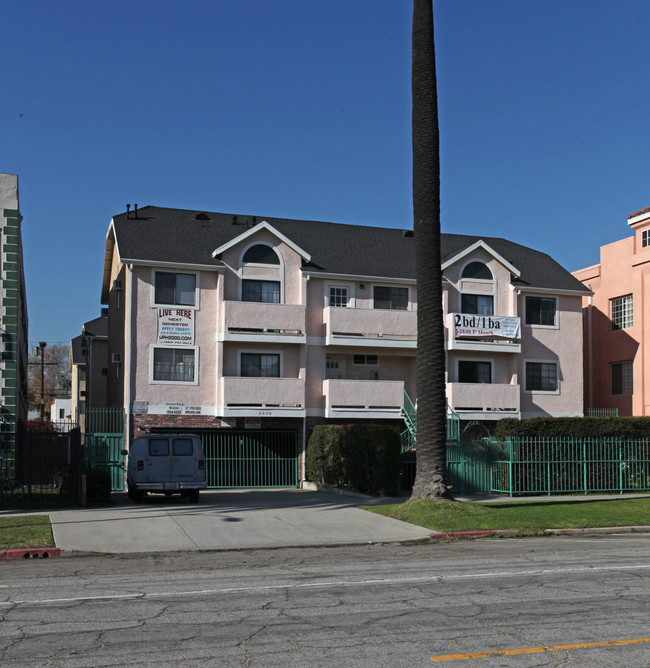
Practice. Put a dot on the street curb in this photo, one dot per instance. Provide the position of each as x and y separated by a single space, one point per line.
39 553
456 534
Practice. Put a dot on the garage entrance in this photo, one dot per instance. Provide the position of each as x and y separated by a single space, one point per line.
248 458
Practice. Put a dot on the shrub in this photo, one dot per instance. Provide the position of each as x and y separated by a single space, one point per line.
612 427
362 457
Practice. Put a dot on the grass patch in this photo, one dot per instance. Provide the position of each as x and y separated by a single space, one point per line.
25 531
528 516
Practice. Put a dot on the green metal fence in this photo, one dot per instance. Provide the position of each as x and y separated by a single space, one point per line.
565 465
248 458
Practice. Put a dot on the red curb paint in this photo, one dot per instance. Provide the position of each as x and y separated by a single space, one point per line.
40 553
469 533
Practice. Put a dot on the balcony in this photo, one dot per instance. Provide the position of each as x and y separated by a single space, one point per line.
255 321
370 328
483 333
363 398
484 401
270 397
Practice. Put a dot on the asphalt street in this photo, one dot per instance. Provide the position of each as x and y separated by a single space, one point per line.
552 601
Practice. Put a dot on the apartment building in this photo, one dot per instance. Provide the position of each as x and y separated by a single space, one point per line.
617 370
13 311
239 324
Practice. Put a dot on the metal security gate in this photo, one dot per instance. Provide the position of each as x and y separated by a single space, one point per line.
251 458
104 451
248 458
469 467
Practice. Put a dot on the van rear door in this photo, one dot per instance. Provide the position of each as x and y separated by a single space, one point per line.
159 465
184 460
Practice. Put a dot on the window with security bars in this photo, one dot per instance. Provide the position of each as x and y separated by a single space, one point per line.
541 376
622 312
622 379
338 296
174 365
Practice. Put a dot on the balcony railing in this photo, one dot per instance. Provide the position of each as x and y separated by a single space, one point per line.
493 398
254 318
268 393
370 327
363 396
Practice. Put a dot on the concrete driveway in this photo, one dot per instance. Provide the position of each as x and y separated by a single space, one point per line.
226 519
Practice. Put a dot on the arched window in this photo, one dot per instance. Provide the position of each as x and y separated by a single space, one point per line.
260 254
477 270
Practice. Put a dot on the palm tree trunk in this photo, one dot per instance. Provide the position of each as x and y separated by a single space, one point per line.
431 474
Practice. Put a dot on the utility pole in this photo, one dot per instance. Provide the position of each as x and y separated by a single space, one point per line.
42 346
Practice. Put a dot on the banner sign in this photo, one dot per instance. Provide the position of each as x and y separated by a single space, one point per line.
175 327
505 327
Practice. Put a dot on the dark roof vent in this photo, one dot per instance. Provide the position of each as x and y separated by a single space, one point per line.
407 233
201 216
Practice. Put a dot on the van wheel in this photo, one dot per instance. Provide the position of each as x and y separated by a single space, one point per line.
138 495
194 496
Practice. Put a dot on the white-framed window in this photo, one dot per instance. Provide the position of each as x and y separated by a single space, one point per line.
541 376
622 378
477 271
541 311
260 254
622 312
645 238
339 295
390 297
477 304
365 360
254 290
260 365
175 288
474 371
174 365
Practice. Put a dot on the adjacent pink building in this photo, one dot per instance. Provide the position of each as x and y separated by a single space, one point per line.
245 328
617 369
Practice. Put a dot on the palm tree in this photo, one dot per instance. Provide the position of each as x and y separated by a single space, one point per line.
431 474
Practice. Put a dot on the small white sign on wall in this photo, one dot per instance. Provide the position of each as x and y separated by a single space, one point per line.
175 327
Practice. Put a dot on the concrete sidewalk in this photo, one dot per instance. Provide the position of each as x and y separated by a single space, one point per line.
226 519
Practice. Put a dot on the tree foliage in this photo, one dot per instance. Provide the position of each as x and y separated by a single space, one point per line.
56 376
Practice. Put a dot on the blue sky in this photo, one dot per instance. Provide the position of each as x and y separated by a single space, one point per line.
301 109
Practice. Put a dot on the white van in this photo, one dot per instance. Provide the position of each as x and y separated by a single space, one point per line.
166 464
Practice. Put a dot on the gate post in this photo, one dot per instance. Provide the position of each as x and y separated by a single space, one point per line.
75 464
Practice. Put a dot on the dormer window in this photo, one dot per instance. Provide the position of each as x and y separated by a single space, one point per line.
477 271
261 254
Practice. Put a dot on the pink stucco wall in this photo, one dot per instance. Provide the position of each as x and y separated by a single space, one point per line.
624 269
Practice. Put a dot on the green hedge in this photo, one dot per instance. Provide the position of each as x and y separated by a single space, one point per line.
361 457
587 427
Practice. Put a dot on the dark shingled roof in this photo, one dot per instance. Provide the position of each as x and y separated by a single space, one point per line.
97 328
187 237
